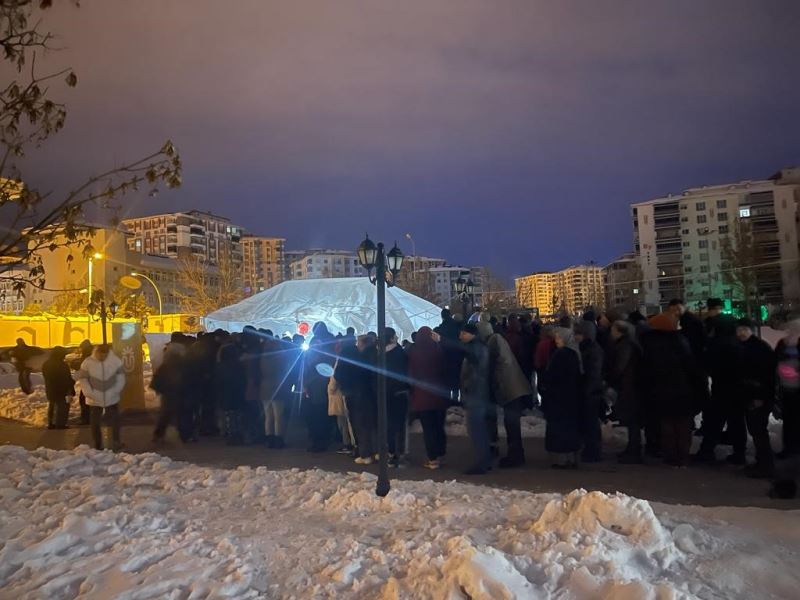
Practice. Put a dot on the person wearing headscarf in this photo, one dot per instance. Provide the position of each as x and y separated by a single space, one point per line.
429 394
673 386
59 388
562 400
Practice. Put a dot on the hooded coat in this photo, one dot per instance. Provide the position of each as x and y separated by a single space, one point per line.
592 362
101 381
508 382
426 372
475 378
58 383
622 363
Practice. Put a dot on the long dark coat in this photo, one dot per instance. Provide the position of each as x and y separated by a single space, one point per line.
58 383
426 371
622 369
562 402
672 383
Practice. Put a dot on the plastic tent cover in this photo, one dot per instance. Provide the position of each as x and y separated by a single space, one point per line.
339 303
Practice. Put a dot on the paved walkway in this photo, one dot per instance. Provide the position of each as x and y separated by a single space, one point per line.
706 486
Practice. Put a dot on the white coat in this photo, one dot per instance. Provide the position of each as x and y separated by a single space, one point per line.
101 382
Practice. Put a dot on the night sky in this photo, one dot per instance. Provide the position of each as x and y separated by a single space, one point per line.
509 134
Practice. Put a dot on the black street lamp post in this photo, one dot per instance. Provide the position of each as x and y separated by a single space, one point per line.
387 266
464 289
99 312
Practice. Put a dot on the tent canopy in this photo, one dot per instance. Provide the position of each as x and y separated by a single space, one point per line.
339 303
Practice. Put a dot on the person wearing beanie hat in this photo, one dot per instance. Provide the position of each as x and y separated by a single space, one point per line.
756 388
475 389
673 389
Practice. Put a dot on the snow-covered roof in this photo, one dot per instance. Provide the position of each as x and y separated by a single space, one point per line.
339 303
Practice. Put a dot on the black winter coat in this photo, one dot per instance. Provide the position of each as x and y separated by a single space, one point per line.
230 382
672 383
757 377
58 383
562 402
592 359
623 362
169 378
723 362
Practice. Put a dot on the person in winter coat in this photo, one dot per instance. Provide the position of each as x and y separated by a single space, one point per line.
593 396
356 376
509 389
274 368
59 388
101 379
21 354
429 395
757 393
397 390
562 400
723 362
169 383
623 361
521 344
673 386
787 354
230 381
475 389
452 351
85 350
319 361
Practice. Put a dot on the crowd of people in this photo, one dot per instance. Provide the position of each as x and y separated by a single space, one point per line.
653 376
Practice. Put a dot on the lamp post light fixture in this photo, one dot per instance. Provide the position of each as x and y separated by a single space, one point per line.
464 289
387 265
158 295
98 311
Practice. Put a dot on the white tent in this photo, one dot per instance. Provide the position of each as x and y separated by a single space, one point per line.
339 303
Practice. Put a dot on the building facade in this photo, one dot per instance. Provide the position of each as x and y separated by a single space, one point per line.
184 235
679 241
571 290
263 262
324 264
623 283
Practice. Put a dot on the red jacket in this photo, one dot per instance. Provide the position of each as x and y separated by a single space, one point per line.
426 372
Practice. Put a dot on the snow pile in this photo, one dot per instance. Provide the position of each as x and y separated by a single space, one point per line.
98 525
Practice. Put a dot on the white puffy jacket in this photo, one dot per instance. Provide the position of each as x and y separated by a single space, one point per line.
101 382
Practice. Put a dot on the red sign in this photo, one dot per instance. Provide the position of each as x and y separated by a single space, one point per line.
303 328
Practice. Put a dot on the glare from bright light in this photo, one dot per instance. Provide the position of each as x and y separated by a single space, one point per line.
305 346
97 255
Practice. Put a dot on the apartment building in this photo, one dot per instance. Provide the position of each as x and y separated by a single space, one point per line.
263 262
679 240
186 234
571 290
623 282
323 264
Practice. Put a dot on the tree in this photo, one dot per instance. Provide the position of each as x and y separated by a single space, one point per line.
495 297
741 255
69 302
203 288
36 221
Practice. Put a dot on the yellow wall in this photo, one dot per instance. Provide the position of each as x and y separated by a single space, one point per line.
47 331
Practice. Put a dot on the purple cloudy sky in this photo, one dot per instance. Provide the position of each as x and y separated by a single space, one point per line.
508 133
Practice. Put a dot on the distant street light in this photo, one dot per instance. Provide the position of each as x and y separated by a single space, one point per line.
158 295
387 266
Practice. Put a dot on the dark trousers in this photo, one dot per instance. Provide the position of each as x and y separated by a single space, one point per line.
208 412
319 424
791 421
96 418
170 414
362 418
24 379
715 415
652 433
676 439
397 423
757 420
57 412
634 446
233 426
478 433
512 419
736 428
433 433
84 409
590 430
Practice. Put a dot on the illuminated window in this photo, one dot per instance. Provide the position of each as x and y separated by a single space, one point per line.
744 212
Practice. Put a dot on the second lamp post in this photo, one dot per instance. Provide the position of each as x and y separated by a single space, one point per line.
464 289
386 266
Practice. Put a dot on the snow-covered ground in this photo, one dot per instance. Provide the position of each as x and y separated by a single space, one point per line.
32 409
97 525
